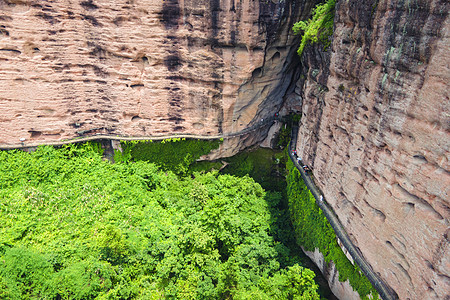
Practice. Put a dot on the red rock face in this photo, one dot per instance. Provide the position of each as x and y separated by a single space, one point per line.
375 129
375 125
140 68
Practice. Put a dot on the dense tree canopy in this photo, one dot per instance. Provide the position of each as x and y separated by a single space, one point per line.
73 226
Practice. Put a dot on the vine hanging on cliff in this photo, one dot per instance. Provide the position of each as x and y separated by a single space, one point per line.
318 28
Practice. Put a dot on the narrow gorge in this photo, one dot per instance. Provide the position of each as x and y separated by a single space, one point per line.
374 103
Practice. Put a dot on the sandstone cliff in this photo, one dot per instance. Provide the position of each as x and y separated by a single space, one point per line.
376 130
375 108
141 68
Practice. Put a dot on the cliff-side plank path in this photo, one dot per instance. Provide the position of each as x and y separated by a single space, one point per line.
375 106
141 68
384 291
375 130
263 123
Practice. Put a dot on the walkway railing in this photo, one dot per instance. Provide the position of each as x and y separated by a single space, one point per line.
382 288
257 125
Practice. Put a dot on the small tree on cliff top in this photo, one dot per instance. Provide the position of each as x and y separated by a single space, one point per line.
318 28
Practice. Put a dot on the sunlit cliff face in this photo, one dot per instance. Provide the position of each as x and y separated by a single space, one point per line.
375 107
140 68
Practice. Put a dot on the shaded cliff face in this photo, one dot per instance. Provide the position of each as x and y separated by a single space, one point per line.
140 68
376 129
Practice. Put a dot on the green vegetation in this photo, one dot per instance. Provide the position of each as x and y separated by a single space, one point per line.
319 28
268 168
265 166
172 154
285 133
73 226
312 230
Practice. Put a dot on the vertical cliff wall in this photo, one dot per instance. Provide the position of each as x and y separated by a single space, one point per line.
375 129
141 68
375 107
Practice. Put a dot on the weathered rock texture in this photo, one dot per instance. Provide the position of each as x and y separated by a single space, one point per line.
375 129
342 290
375 124
141 68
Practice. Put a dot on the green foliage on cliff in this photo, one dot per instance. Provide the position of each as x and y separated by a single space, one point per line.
172 154
265 166
319 28
73 226
312 230
285 133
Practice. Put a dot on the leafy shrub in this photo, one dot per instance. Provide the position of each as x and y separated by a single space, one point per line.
24 272
319 28
172 154
85 279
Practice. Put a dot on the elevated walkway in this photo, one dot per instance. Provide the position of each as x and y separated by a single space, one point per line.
382 288
96 137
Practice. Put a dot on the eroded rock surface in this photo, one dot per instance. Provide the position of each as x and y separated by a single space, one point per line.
376 131
141 68
342 290
375 125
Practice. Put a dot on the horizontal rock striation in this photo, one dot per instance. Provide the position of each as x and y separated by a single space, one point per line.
141 68
375 122
375 129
